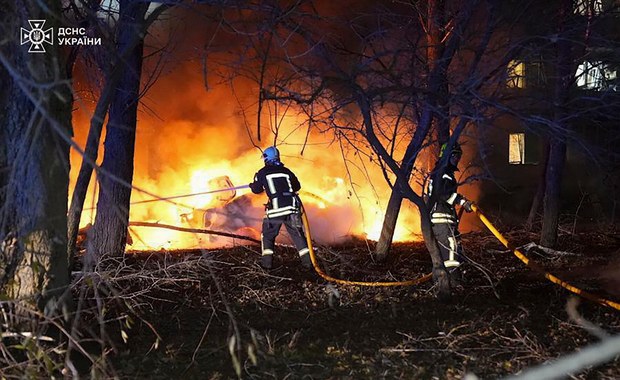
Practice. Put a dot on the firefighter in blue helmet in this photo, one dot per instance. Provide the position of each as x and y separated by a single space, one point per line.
283 207
443 198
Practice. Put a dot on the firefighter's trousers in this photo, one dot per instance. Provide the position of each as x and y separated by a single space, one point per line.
293 224
449 240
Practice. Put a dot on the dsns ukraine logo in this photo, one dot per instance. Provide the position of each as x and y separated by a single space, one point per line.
36 36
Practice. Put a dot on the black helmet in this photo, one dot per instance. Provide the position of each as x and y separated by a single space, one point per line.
456 149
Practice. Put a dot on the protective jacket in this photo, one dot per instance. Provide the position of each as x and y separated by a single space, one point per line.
442 201
283 207
281 186
443 196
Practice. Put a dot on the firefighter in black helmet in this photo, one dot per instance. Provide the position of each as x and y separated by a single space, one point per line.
443 198
281 186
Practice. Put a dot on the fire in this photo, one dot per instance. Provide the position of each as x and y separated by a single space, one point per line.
197 184
374 231
202 145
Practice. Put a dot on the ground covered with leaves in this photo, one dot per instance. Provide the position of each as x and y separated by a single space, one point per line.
215 314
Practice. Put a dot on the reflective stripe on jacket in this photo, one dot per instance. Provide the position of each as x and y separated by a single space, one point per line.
281 186
443 196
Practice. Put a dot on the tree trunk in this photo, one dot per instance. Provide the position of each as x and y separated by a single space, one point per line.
553 183
435 51
403 188
393 208
435 109
110 230
86 169
91 151
540 189
4 163
557 146
33 261
390 219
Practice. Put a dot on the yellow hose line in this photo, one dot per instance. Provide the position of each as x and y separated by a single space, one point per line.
539 269
318 270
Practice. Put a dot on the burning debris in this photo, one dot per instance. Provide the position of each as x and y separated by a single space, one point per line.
237 215
226 211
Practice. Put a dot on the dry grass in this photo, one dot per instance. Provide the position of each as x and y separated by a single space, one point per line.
216 314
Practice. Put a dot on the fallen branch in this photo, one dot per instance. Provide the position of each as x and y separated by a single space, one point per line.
548 251
497 251
192 230
529 246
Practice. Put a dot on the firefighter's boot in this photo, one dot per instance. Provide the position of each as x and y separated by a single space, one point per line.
266 261
306 261
456 276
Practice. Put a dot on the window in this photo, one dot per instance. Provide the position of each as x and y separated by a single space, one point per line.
588 7
523 74
536 76
595 76
516 74
516 148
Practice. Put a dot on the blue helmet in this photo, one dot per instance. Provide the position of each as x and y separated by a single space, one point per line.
271 155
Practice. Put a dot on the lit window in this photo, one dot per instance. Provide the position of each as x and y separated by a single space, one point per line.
516 74
595 76
516 148
588 7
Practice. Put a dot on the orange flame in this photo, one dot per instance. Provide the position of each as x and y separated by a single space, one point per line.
203 137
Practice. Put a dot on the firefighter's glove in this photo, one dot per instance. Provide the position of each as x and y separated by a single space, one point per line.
296 221
467 206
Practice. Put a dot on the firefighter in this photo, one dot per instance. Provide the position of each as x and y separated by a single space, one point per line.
283 207
443 198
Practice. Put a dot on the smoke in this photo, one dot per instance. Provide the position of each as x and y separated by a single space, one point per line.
185 140
189 133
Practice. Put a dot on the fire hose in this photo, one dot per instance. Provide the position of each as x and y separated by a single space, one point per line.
327 277
496 233
537 268
308 239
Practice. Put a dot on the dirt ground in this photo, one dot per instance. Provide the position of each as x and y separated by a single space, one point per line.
215 314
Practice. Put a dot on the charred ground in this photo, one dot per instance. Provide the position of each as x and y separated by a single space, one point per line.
290 323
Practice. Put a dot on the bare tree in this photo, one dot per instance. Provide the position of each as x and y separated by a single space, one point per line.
36 130
379 81
569 51
565 87
109 234
557 145
113 74
437 33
